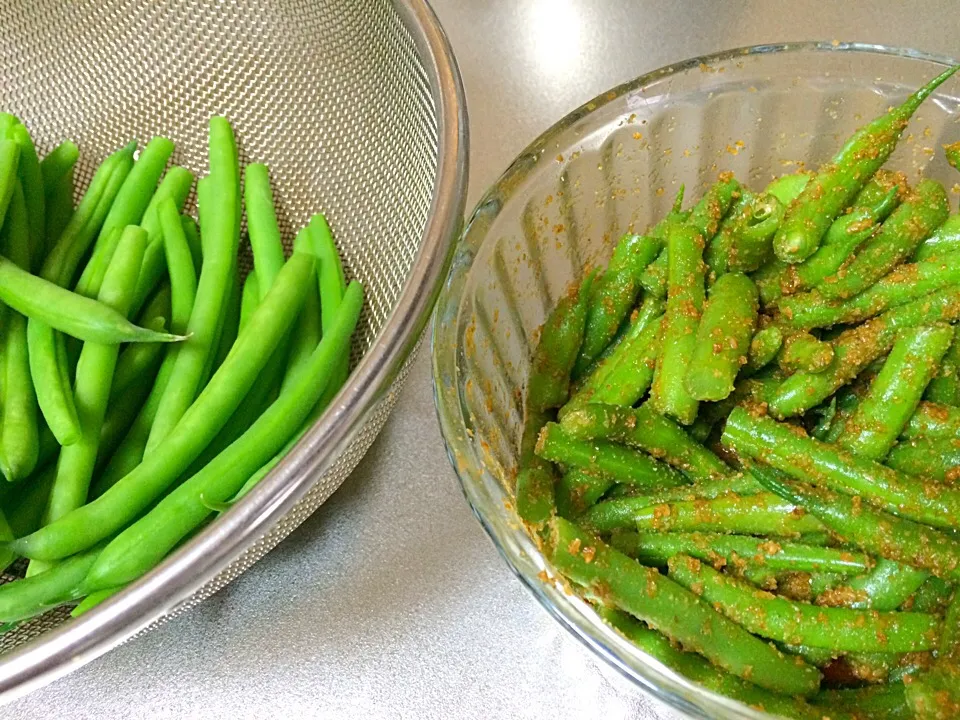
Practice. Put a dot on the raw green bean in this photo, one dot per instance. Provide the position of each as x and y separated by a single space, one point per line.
549 383
176 184
841 629
219 198
145 543
621 464
92 600
138 361
858 347
700 671
125 500
48 370
684 305
75 315
25 513
674 611
9 162
873 531
251 299
58 205
230 326
910 224
764 346
838 183
649 431
94 376
739 551
326 249
19 435
92 276
933 421
31 596
265 240
31 179
192 233
305 338
131 202
58 163
621 512
723 338
944 241
613 295
183 277
893 397
803 458
927 460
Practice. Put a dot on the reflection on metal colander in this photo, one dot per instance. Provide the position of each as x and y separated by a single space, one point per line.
357 108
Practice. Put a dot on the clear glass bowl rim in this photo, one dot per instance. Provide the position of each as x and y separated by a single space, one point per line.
510 540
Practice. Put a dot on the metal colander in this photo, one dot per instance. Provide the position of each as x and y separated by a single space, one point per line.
358 110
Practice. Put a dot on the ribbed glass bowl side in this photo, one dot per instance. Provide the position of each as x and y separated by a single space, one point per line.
614 166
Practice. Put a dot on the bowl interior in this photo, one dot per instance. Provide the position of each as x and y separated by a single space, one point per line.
611 167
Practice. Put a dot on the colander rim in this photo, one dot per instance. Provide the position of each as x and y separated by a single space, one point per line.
78 641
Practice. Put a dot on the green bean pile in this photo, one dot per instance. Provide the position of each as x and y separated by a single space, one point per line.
142 389
742 438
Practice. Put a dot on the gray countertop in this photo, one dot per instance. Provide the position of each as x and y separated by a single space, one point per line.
390 601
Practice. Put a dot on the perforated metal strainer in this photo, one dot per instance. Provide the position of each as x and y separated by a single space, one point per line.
358 110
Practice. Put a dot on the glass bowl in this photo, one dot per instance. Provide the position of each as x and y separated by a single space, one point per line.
613 166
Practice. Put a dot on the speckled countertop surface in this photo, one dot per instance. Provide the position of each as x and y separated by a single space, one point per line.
390 601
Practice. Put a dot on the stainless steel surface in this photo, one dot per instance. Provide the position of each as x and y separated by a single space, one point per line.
384 151
610 167
390 601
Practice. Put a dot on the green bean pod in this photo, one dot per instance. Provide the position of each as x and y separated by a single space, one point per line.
944 241
802 352
684 305
646 429
875 532
94 376
945 387
809 460
740 551
613 295
858 347
927 460
265 239
723 338
654 277
840 629
933 421
788 188
909 225
700 671
893 397
838 183
764 347
549 383
618 513
145 543
124 501
621 464
23 599
674 611
9 162
31 179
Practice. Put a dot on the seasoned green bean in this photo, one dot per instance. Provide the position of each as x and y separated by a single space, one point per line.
927 460
685 299
723 338
841 629
674 611
893 397
803 458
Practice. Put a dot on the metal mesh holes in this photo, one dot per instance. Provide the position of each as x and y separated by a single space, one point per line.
331 95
